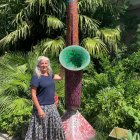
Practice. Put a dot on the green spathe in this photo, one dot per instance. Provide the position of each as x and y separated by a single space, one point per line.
74 58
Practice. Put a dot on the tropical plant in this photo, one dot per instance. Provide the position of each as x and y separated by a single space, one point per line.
15 99
41 24
111 98
45 21
8 11
14 82
132 136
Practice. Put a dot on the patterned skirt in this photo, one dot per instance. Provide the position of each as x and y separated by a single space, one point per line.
49 128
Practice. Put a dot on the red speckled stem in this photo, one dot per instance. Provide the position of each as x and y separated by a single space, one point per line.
73 80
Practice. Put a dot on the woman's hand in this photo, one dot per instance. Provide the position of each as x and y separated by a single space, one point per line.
56 100
61 75
41 114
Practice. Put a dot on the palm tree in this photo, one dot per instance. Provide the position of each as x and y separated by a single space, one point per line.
44 21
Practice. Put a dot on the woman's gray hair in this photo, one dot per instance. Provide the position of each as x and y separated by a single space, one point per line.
37 69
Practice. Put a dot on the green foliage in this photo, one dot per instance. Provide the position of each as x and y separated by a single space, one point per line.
54 46
43 22
94 46
132 136
16 123
15 99
100 136
135 39
15 102
111 98
110 103
8 10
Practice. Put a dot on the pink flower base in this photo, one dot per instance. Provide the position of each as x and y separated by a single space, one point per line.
76 127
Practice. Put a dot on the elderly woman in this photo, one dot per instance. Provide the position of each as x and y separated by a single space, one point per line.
45 123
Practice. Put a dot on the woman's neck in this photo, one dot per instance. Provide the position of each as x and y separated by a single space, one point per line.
44 73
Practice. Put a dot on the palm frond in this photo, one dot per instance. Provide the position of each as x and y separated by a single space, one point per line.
17 105
17 58
88 24
20 104
54 46
89 5
52 22
8 68
32 57
3 5
14 81
4 103
22 32
20 16
3 8
16 86
43 4
13 75
119 8
111 37
95 46
110 34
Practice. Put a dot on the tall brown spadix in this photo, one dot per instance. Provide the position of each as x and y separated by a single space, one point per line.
75 125
73 79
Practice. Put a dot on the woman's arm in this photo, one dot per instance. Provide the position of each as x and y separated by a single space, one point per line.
41 113
61 75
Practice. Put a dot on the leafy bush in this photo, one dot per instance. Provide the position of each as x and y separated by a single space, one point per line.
15 123
132 136
111 98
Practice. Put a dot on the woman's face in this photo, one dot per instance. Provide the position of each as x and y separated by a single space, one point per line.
43 65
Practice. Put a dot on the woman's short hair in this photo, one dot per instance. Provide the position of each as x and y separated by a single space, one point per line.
37 69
